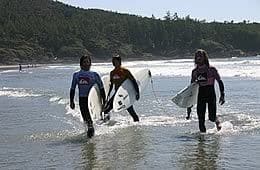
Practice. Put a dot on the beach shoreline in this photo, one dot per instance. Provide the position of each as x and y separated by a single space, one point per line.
17 67
9 67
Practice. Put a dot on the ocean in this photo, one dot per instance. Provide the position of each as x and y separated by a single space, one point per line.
39 130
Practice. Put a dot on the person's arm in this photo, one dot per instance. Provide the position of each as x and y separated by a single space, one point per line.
107 103
221 88
222 93
103 95
131 77
72 91
110 87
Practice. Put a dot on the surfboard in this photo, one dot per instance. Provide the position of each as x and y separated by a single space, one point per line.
95 103
126 94
187 96
95 100
106 83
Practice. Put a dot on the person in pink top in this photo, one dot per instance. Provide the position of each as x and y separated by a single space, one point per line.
205 75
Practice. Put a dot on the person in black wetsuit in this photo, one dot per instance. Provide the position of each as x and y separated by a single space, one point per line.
85 79
205 75
117 76
20 67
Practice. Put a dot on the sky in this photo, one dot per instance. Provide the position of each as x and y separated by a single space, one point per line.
210 10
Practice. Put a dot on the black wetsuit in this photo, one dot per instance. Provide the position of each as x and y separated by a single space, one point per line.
117 77
206 77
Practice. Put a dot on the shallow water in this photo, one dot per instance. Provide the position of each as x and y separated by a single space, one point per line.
39 131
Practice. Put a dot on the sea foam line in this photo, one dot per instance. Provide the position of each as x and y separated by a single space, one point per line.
17 92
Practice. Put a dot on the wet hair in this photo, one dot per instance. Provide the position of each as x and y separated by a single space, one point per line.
118 58
203 53
83 58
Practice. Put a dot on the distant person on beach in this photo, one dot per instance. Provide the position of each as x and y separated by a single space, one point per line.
117 76
20 67
205 75
85 79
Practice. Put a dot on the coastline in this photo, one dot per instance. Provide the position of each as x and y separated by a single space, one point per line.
9 67
16 67
97 60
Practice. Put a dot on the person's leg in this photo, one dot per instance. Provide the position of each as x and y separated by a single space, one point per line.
212 108
201 110
132 112
108 108
188 112
83 104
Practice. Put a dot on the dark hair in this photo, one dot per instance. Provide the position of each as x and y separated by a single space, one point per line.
83 58
118 58
203 53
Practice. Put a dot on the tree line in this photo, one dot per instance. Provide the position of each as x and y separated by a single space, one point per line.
50 31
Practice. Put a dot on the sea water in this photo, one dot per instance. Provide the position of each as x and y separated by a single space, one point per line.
38 130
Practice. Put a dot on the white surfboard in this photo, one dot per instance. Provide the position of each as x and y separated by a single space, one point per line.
95 103
126 94
106 83
187 97
95 100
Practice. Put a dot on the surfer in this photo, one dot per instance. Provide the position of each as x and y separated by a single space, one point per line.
117 76
205 75
20 67
85 79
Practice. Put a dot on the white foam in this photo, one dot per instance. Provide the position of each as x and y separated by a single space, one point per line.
62 67
250 123
227 128
54 135
236 67
229 67
120 122
161 121
9 71
54 99
63 101
59 100
17 92
241 123
74 113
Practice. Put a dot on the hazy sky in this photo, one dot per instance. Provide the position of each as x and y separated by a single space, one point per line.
218 10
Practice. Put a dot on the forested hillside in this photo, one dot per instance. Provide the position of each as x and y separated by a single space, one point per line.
45 31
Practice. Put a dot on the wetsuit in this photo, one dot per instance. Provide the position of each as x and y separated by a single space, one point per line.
206 77
85 80
117 77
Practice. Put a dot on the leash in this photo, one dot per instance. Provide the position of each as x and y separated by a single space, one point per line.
156 98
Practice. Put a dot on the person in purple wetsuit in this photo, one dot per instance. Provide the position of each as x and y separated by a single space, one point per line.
205 75
85 79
